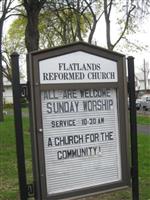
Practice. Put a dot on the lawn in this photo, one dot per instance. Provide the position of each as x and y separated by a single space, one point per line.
143 119
8 166
8 169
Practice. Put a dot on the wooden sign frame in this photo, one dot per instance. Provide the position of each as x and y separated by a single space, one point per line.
37 124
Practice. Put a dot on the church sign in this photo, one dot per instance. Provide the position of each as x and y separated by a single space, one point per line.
79 121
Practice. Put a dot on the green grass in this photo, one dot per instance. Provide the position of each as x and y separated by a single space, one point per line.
8 168
144 166
144 175
143 119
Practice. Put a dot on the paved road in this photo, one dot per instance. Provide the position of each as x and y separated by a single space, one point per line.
143 129
141 112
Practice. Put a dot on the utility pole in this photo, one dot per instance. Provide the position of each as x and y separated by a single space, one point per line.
145 73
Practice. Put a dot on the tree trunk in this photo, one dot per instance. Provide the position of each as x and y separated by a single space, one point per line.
33 8
78 22
92 31
107 20
32 32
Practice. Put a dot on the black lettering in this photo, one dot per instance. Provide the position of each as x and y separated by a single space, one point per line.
100 75
49 107
56 140
50 94
63 107
45 76
93 137
69 94
95 105
93 93
106 136
61 66
50 142
77 153
59 155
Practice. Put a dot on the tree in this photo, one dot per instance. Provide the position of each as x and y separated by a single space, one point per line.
13 42
33 8
7 10
65 21
126 14
129 12
58 25
75 17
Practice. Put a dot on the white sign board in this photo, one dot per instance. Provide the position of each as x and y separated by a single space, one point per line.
81 138
77 67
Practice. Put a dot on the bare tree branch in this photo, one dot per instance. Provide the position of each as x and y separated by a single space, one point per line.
125 26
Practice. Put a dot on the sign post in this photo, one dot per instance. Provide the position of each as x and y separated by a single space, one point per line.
18 126
79 121
133 129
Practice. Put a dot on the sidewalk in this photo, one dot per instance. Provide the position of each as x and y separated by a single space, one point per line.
143 129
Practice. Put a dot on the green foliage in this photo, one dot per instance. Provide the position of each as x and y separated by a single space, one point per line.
24 103
59 28
55 28
14 42
16 36
8 105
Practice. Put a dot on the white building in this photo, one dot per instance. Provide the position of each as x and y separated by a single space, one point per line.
7 93
142 83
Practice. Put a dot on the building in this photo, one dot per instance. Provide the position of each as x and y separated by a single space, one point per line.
7 92
142 83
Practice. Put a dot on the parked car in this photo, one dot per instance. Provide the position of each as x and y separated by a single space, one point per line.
138 103
145 103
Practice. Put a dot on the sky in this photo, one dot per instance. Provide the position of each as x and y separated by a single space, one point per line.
143 37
